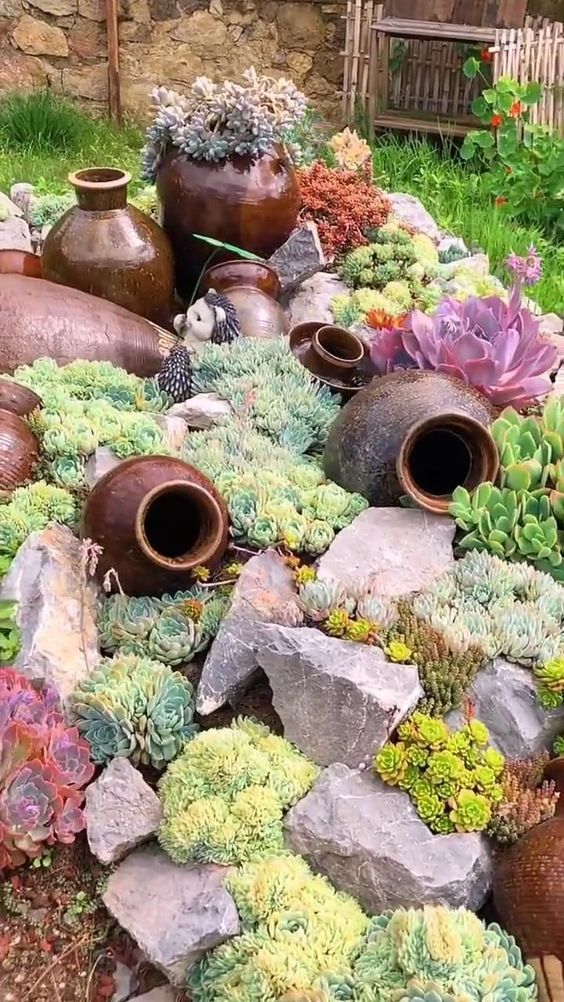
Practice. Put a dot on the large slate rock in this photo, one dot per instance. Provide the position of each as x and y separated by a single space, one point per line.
264 594
56 609
122 811
338 700
505 700
300 257
403 548
367 839
174 913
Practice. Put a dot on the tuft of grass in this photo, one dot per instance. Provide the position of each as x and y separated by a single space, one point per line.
461 203
41 123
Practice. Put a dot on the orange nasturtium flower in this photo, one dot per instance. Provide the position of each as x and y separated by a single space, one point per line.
496 120
516 109
501 200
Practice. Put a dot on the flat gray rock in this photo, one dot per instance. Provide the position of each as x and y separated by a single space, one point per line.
338 700
312 301
205 410
174 913
299 258
263 594
56 609
404 548
368 840
99 463
505 700
122 811
14 234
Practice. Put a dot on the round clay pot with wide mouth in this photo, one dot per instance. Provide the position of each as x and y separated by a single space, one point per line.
156 518
111 249
335 352
414 433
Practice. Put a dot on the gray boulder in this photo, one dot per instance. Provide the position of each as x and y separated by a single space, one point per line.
14 234
338 700
56 609
410 210
505 700
99 463
313 299
403 548
122 811
367 838
300 257
174 913
263 594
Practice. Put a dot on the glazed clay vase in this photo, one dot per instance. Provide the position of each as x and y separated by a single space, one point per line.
156 518
528 883
18 262
17 398
19 451
250 202
110 249
40 319
253 288
412 433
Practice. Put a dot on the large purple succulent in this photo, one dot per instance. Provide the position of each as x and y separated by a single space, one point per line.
492 345
43 767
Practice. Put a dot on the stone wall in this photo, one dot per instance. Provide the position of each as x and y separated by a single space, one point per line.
62 44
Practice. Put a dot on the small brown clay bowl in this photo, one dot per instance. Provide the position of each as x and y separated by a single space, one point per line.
229 274
301 345
17 398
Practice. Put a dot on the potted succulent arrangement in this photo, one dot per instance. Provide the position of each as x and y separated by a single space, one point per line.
221 169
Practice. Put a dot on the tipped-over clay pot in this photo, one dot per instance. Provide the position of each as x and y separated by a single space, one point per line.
156 518
412 433
19 451
40 319
253 288
111 249
17 398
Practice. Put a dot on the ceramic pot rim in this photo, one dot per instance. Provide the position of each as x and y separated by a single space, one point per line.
485 458
327 356
268 271
202 552
92 179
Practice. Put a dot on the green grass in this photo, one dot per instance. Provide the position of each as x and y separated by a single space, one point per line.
458 199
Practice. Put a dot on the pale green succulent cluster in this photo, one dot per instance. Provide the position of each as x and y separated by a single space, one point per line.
273 495
223 799
267 385
31 509
295 927
171 629
132 707
355 613
86 405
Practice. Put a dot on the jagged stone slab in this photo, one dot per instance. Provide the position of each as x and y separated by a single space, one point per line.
174 913
367 838
299 258
410 210
56 609
312 301
122 811
205 410
264 594
338 700
504 696
405 549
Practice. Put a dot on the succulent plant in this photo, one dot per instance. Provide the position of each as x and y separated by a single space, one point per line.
551 679
224 797
133 707
45 766
10 637
31 509
218 120
349 151
526 799
494 346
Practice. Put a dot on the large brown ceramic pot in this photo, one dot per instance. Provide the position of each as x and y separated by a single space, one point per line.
111 249
19 451
17 398
528 884
17 262
253 288
156 518
412 433
40 319
250 202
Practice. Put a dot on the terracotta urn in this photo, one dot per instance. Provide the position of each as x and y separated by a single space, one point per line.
528 885
110 249
18 262
156 518
41 319
254 289
250 202
412 433
17 398
19 451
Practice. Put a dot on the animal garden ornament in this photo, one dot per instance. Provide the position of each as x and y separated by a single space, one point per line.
211 318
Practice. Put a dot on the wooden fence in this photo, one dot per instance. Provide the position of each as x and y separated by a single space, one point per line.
535 53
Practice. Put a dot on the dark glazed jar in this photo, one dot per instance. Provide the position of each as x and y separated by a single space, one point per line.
156 518
111 249
19 451
236 272
250 202
253 288
412 433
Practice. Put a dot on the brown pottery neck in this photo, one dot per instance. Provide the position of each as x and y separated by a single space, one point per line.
100 188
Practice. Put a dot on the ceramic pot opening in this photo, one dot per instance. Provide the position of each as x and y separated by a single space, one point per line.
335 344
100 178
179 525
442 453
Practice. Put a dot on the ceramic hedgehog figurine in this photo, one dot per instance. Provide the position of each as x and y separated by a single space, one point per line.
175 376
211 318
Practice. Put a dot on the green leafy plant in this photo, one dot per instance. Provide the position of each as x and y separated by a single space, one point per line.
224 797
42 122
527 800
133 707
452 777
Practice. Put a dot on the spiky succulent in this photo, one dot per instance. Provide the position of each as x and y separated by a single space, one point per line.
392 255
527 800
224 797
133 707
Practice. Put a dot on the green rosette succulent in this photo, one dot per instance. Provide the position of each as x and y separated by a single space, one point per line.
470 811
263 532
444 767
551 681
337 623
391 763
175 639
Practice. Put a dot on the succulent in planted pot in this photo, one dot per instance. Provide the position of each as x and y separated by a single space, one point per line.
221 169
